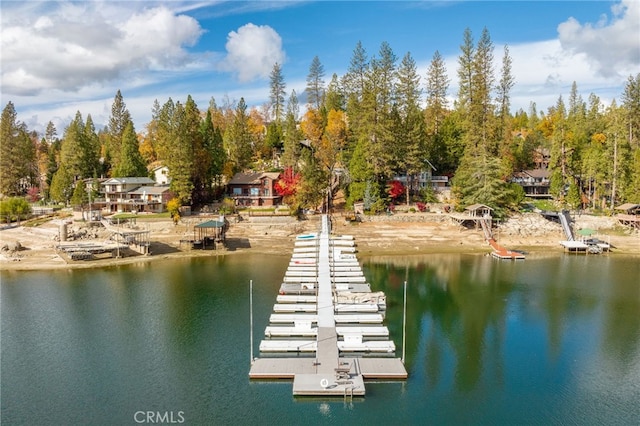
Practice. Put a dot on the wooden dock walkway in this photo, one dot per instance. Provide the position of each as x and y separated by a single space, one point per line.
321 288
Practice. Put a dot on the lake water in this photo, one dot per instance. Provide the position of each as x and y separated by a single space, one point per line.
552 340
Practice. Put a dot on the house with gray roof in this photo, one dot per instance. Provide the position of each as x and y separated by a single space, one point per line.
134 194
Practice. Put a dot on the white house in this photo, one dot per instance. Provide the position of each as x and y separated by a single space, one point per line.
130 194
161 175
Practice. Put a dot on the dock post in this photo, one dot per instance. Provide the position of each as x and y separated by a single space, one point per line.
251 316
404 321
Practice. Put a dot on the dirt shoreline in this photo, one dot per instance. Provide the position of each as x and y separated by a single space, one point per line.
400 235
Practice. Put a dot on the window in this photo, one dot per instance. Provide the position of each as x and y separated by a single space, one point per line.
255 192
237 191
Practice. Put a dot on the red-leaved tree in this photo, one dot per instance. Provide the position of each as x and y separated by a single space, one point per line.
287 185
395 188
33 194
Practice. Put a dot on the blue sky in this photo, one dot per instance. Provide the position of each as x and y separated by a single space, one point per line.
61 57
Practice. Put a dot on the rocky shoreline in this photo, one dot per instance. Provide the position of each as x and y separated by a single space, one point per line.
31 248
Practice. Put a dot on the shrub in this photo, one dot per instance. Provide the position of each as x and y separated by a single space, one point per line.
421 207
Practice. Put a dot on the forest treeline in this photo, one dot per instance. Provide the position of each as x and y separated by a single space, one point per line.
379 120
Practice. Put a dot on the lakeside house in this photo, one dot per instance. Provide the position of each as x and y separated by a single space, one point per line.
134 194
161 175
254 189
535 182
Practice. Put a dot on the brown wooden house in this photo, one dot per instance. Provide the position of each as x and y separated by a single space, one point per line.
254 189
535 182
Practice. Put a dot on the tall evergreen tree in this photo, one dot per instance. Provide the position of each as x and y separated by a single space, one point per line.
292 136
354 79
560 151
481 106
315 84
377 104
180 160
479 178
17 153
79 196
118 121
437 85
277 92
131 162
92 148
212 139
61 185
507 149
466 72
334 98
618 155
194 153
50 133
410 139
73 152
237 139
505 85
631 102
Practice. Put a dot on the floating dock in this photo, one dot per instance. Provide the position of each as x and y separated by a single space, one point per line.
328 317
498 252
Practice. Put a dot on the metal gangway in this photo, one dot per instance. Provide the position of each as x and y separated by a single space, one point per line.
565 221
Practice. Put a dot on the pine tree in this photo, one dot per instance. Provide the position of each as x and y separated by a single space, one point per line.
353 85
481 106
560 152
360 172
118 121
237 139
631 102
277 92
50 133
377 104
354 79
466 72
503 136
410 140
61 185
194 153
505 85
315 84
437 86
292 136
17 153
479 178
180 160
91 148
79 197
72 149
335 96
131 162
212 139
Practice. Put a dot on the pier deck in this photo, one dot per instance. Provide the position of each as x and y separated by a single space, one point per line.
340 359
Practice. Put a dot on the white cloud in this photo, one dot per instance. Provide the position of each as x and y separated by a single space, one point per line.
252 51
68 46
612 47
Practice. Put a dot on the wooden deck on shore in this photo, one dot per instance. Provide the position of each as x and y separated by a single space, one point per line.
324 287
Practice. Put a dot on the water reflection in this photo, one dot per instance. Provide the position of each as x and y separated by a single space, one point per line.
473 311
488 342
